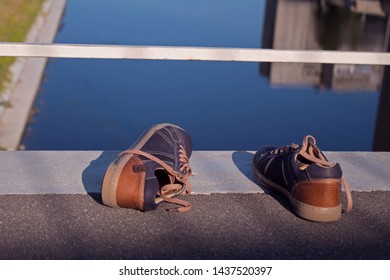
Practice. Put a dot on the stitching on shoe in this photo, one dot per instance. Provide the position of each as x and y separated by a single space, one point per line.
284 175
166 138
162 154
290 172
267 165
181 138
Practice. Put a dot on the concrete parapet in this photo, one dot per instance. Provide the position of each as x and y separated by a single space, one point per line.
81 172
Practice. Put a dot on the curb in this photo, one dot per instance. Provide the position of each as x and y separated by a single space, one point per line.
82 172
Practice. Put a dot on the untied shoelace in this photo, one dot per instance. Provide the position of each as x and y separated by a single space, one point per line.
311 152
173 189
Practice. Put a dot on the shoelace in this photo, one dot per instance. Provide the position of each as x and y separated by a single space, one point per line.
168 191
310 151
285 149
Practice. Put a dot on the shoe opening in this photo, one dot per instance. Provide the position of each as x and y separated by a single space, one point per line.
162 177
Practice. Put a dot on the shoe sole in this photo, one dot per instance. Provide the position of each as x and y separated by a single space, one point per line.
114 170
304 210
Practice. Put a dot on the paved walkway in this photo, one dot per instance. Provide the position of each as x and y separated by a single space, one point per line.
220 226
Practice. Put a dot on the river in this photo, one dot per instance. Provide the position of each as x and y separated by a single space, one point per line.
90 104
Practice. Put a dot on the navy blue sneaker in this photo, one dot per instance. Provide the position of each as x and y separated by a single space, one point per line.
155 169
304 175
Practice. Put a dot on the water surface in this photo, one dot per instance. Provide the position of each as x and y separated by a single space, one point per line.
88 104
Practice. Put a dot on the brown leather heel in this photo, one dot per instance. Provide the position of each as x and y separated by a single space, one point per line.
317 200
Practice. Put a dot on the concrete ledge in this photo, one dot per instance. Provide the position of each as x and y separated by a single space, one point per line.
81 172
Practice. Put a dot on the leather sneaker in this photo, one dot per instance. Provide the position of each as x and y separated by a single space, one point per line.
303 174
155 169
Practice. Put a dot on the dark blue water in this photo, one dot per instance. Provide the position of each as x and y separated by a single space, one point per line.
87 104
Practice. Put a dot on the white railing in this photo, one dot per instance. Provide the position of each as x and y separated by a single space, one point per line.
191 53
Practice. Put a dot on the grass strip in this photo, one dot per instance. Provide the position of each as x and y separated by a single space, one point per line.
16 19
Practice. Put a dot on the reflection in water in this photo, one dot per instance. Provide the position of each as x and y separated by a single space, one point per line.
382 128
325 25
332 25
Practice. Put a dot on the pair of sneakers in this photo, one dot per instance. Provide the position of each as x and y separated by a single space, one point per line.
156 169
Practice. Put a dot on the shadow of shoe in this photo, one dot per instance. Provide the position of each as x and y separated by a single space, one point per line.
243 161
93 174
